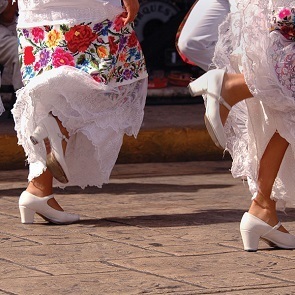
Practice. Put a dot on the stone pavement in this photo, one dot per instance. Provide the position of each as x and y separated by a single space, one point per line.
156 228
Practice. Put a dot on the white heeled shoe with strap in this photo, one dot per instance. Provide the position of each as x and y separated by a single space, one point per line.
29 205
48 130
253 229
210 85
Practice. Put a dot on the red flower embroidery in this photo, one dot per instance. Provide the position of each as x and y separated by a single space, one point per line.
113 45
79 38
29 57
118 23
132 40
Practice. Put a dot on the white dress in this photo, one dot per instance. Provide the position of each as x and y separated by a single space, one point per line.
80 63
249 44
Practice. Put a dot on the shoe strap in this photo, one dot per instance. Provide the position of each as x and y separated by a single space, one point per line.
48 197
276 227
222 101
63 137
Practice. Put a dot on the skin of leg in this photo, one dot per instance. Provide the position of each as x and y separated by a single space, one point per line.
42 185
262 206
234 90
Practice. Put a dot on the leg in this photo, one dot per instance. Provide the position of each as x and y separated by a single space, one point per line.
221 91
261 222
54 135
38 197
41 186
262 206
234 89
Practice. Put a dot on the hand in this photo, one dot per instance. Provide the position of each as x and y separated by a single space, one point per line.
131 7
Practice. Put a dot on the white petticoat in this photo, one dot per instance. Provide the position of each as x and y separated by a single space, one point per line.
96 115
267 62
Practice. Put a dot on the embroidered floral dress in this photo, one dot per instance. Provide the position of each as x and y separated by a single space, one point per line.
82 64
258 40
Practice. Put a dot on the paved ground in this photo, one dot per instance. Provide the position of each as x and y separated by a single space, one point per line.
166 227
156 228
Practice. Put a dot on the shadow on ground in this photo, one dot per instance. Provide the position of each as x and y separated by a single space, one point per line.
204 217
123 189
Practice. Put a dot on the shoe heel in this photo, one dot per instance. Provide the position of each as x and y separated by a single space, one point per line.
26 214
39 134
198 86
250 240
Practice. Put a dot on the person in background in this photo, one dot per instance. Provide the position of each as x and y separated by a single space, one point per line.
9 45
198 37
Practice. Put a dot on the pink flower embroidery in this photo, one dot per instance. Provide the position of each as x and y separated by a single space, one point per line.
62 58
285 12
38 34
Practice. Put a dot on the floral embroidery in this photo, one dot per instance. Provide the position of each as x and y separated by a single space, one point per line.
284 13
79 38
284 21
53 38
61 57
29 57
108 51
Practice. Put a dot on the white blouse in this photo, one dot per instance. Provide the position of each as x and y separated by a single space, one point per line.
49 12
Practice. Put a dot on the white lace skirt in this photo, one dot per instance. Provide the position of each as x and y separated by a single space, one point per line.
267 61
97 88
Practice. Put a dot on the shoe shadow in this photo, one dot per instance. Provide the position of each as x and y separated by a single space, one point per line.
204 217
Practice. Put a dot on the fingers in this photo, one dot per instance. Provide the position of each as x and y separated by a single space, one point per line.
131 7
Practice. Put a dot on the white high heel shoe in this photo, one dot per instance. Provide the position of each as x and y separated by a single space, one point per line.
55 161
252 229
29 204
210 85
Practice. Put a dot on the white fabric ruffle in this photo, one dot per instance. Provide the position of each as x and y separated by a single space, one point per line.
50 12
96 115
267 62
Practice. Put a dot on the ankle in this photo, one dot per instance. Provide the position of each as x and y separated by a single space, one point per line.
264 210
39 190
38 193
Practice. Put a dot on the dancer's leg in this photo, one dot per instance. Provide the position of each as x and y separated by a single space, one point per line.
42 185
262 206
234 90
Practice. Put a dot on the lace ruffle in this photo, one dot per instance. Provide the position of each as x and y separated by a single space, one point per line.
269 73
39 13
97 116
